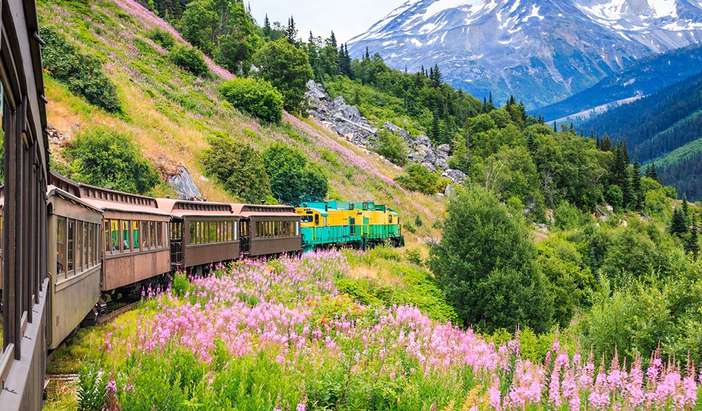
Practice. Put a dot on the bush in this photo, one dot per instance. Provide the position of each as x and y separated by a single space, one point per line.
421 179
567 216
256 97
287 67
92 389
181 284
239 167
392 147
189 59
109 159
484 263
83 75
293 179
162 38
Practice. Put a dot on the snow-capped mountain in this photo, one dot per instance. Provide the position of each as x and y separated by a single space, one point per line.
539 50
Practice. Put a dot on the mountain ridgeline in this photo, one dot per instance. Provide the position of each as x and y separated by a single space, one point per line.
644 78
541 50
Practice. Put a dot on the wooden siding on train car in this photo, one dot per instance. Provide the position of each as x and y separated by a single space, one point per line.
124 269
120 269
260 246
201 254
70 298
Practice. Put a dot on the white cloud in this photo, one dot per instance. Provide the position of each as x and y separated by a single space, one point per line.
346 18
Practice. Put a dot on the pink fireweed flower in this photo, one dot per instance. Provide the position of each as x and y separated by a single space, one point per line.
494 394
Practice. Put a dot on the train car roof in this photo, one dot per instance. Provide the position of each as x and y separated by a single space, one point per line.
56 191
183 208
263 210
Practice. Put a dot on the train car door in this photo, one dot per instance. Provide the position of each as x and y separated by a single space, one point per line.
176 237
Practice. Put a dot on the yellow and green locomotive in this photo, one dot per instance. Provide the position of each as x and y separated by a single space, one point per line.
348 224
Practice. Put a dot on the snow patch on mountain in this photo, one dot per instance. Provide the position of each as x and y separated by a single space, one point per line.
539 50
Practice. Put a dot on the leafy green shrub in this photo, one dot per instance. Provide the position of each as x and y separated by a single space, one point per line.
239 167
392 147
256 97
421 179
189 59
82 74
162 38
106 158
413 256
181 284
293 179
92 388
566 216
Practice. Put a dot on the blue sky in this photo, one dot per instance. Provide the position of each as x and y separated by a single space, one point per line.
346 17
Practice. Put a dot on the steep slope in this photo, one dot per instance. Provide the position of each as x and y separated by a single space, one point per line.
170 113
643 78
659 125
539 50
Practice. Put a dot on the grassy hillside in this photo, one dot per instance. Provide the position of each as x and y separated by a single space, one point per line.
170 113
683 166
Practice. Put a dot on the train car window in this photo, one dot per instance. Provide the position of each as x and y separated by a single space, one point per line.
159 234
126 243
316 219
108 246
135 235
212 234
297 228
86 245
114 235
71 251
192 230
61 245
152 233
79 246
145 235
90 241
235 231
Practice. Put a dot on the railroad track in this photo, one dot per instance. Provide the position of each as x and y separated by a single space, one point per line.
111 315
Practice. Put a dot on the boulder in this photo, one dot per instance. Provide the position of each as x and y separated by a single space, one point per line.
457 176
184 185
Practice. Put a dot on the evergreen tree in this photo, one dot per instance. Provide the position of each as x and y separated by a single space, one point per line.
692 245
686 211
606 143
291 31
638 194
267 30
651 171
619 174
677 225
435 128
366 56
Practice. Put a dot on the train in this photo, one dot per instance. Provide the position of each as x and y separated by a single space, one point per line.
102 241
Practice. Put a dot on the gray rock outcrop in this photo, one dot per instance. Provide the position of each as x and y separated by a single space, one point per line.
184 185
348 122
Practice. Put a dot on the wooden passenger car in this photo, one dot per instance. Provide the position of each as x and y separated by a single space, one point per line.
135 236
201 233
268 230
74 262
